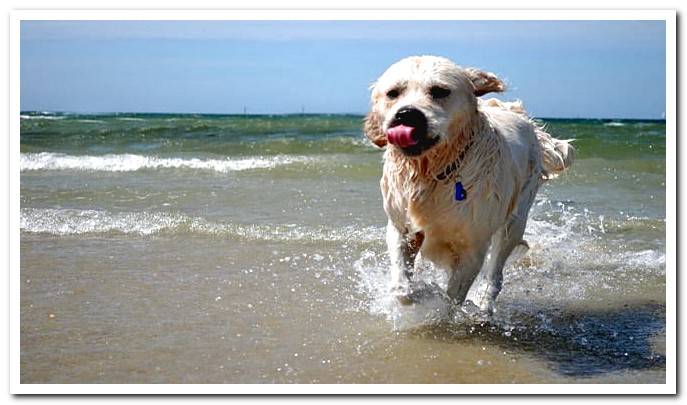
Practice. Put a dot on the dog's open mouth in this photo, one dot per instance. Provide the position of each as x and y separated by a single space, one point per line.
408 131
402 135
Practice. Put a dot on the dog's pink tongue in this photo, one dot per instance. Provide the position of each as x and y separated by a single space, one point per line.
401 135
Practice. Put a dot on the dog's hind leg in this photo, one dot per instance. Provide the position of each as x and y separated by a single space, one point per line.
464 274
506 243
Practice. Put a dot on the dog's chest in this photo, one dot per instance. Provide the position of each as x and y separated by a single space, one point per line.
423 206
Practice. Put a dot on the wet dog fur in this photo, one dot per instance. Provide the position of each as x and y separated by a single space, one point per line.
502 159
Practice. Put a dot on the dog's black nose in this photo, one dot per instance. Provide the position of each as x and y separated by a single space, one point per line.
418 139
411 117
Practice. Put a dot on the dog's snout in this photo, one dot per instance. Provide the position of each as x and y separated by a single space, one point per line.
409 130
407 110
410 116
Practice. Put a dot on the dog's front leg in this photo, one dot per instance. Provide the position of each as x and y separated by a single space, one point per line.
402 251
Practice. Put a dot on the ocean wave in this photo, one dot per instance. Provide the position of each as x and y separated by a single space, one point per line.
130 162
65 222
87 121
41 117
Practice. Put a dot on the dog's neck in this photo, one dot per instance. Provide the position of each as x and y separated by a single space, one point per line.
424 169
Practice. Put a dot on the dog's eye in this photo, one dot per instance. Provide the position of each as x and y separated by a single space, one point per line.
439 92
393 93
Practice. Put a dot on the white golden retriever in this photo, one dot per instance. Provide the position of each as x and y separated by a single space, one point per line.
460 174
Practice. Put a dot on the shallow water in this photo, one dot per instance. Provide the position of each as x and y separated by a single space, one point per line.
225 249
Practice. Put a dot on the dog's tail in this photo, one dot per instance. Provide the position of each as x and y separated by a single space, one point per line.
557 154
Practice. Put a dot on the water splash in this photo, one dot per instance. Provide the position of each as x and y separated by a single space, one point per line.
572 256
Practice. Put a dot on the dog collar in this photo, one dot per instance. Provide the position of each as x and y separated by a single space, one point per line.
455 165
459 193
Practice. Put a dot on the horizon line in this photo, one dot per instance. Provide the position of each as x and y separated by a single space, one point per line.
296 114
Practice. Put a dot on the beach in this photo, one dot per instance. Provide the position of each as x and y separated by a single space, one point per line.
191 248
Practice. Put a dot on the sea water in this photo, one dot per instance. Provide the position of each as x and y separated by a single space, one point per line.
167 248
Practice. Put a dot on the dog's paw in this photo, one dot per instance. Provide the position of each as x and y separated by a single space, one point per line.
474 313
487 307
415 292
402 293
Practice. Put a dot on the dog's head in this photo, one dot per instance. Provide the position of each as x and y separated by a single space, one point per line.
417 99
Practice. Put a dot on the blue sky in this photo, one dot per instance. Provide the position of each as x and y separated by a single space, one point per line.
588 69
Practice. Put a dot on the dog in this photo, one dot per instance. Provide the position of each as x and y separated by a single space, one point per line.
460 174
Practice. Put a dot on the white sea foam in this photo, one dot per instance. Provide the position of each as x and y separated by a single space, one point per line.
41 117
77 222
614 124
644 258
64 222
130 162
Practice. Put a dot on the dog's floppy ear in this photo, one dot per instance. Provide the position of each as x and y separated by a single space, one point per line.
485 82
373 129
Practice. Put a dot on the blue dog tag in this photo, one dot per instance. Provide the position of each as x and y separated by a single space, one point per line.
460 192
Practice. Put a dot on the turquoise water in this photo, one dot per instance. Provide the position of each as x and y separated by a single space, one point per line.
209 248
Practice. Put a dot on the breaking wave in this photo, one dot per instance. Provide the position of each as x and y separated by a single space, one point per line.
64 222
130 162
